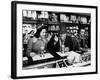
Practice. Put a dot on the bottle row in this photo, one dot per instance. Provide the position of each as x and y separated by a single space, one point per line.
29 15
73 30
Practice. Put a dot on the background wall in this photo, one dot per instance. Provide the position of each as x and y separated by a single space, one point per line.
5 39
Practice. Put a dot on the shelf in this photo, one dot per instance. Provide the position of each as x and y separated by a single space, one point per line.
52 23
55 23
34 22
73 23
54 31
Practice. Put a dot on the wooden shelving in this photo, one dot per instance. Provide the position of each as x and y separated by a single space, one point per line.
80 20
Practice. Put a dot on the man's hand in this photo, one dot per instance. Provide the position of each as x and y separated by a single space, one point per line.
66 49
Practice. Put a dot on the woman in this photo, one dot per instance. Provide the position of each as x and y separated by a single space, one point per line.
31 34
36 43
53 45
25 41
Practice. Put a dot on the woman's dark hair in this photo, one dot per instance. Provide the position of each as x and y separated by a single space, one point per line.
37 34
52 38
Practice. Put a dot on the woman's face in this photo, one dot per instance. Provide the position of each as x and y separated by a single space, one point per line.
43 33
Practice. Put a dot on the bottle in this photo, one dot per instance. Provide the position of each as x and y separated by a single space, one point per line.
62 48
42 51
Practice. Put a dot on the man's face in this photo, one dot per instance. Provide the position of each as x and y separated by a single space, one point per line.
82 31
63 36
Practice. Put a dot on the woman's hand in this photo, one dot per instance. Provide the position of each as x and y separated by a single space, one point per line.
49 36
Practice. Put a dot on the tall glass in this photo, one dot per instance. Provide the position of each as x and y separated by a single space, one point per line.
62 48
42 51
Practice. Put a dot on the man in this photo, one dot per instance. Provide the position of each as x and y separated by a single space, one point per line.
55 43
66 41
82 39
